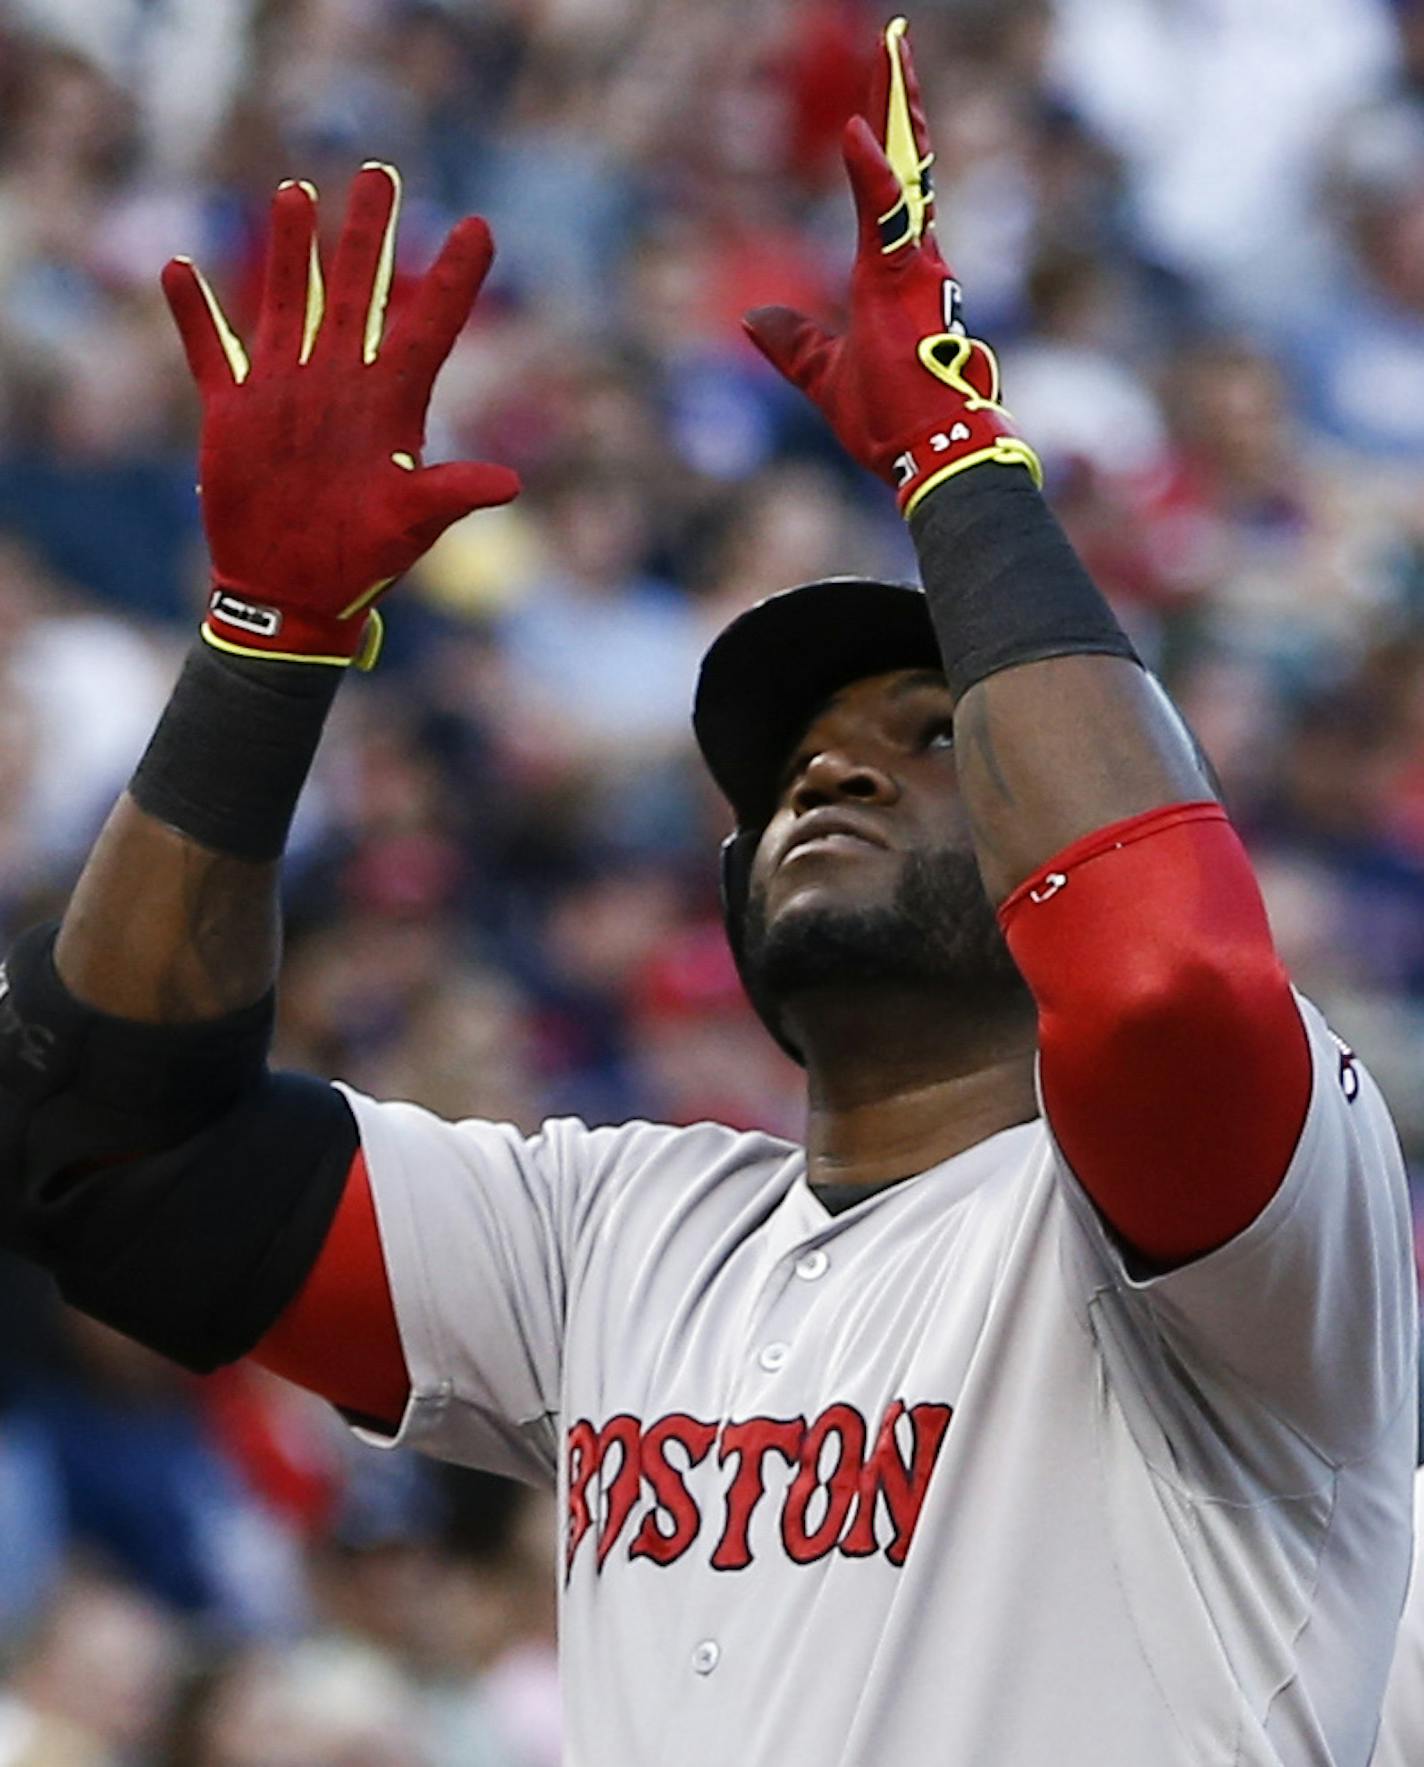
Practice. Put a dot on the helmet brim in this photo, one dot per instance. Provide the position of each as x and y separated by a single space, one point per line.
773 668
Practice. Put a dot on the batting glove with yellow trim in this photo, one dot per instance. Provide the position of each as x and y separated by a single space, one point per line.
314 497
909 395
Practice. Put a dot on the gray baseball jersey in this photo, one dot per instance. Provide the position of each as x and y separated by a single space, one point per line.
937 1478
1401 1737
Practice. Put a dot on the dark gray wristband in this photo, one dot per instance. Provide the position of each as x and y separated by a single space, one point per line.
1003 581
233 749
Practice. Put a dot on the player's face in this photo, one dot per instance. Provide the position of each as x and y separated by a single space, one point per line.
866 872
871 781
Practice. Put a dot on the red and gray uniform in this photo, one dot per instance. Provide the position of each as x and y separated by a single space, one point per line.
1092 1444
1017 1461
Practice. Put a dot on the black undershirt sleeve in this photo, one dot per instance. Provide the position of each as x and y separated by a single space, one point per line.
173 1185
197 1250
1003 582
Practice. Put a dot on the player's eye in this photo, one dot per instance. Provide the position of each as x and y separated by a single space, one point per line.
939 734
792 772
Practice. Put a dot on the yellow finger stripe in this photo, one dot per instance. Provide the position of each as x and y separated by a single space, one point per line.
226 336
385 267
316 290
901 148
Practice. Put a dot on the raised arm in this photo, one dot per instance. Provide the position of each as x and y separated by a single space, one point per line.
1174 1064
175 1186
164 930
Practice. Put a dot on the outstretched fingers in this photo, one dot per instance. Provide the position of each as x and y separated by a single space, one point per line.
364 265
794 345
292 294
442 494
881 205
425 334
215 354
897 116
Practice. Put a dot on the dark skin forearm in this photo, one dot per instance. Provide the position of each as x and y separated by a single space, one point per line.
162 930
1050 751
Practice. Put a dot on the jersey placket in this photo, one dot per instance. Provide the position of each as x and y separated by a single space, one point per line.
793 1237
791 1265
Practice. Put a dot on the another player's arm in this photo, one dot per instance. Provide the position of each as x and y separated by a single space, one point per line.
1174 1063
173 1184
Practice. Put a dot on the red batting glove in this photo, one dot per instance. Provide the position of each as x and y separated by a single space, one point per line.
314 498
908 394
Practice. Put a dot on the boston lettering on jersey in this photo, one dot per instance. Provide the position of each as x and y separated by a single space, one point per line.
839 1480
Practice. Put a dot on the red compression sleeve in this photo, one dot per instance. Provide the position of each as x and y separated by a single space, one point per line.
1175 1068
339 1336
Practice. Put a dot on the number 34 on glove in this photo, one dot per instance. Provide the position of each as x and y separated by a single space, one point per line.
909 395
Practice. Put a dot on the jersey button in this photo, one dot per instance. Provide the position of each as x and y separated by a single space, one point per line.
706 1656
774 1357
812 1265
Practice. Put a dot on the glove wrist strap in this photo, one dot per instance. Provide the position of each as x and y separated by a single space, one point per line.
242 625
939 460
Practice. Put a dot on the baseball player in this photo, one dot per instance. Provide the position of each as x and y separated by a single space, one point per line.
1052 1406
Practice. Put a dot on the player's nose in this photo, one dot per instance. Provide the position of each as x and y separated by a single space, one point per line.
831 775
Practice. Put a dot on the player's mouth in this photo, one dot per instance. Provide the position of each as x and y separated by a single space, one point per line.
830 831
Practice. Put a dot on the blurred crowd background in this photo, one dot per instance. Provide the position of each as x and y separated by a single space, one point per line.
1196 230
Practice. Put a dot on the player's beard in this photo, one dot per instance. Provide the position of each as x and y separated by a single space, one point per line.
937 933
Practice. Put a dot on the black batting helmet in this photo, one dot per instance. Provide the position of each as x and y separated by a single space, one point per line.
763 680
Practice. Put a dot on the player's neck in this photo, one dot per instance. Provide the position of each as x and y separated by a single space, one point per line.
891 1096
